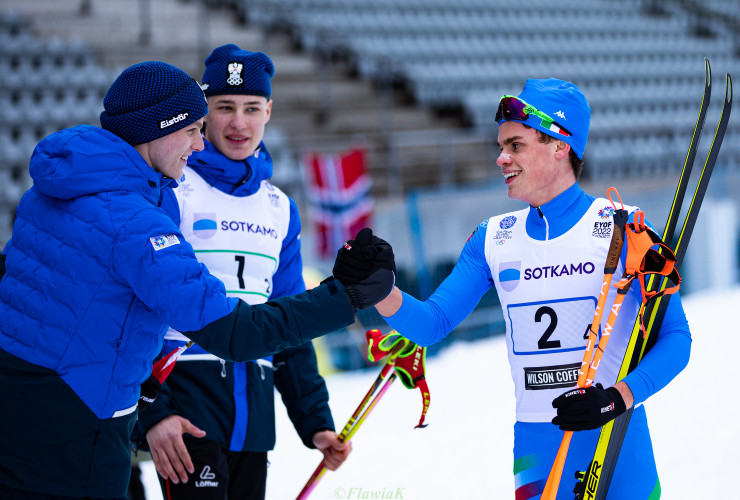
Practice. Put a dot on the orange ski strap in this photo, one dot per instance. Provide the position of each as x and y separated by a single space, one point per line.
647 255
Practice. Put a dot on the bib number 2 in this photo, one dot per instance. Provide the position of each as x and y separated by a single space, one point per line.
546 327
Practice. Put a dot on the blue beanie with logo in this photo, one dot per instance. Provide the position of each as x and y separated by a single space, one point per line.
231 70
150 100
563 102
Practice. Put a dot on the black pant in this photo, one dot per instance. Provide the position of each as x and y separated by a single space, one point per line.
8 493
220 474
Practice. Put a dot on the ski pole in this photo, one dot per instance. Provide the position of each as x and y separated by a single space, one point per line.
370 407
588 369
358 416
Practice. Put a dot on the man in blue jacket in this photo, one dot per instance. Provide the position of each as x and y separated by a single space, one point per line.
96 270
247 232
544 262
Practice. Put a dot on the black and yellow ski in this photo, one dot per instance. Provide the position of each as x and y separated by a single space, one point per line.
595 481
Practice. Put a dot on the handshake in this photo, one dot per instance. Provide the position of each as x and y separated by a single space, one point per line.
367 269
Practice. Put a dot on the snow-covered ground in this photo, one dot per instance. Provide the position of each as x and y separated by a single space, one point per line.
466 451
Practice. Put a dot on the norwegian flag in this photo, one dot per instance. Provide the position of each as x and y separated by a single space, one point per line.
164 366
339 195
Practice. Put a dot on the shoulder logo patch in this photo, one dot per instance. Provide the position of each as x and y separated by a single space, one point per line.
164 241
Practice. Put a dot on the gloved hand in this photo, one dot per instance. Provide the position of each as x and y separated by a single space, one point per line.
367 269
149 390
587 408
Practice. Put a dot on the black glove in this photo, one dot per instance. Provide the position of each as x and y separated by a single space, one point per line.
149 390
367 269
588 408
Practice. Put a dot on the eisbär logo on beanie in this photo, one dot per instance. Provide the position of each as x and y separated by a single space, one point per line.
231 70
150 100
175 119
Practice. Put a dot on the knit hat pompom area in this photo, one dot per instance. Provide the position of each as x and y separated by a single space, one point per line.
231 70
150 100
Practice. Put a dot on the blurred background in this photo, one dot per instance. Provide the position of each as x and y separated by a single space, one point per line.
383 111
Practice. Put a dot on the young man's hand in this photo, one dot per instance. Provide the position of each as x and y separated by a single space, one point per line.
170 456
335 452
587 408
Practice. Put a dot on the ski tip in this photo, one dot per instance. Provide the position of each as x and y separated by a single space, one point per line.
707 71
728 88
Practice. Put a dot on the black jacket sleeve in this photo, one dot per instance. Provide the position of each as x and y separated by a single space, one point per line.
303 391
2 265
253 332
149 416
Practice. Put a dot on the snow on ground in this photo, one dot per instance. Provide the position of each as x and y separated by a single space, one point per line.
466 451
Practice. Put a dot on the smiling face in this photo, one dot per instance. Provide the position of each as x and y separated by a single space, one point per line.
535 172
236 123
169 154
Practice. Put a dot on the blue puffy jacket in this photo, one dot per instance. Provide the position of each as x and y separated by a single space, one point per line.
95 272
95 261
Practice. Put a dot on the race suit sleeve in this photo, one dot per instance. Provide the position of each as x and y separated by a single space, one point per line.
152 256
430 321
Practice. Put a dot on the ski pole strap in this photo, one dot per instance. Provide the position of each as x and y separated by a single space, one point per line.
409 362
380 345
644 259
410 370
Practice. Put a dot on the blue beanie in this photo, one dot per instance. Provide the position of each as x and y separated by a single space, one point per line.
150 100
231 70
565 103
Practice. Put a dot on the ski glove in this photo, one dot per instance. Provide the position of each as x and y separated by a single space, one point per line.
149 390
587 408
367 269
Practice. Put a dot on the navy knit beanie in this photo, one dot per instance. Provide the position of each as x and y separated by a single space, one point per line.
231 70
150 100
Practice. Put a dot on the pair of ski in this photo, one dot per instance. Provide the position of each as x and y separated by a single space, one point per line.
594 483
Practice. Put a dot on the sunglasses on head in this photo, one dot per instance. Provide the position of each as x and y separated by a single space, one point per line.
512 108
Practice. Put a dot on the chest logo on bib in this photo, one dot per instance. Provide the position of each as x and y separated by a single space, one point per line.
606 212
204 225
509 274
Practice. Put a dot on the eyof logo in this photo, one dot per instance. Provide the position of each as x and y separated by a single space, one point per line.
164 241
606 212
602 229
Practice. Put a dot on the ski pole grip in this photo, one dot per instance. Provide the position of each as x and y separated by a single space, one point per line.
618 236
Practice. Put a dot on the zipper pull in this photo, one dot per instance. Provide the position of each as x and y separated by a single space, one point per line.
223 368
